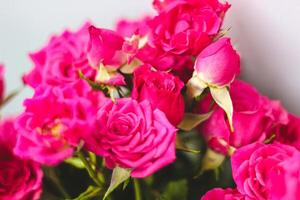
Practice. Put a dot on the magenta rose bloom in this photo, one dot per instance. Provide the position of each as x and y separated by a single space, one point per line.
186 26
267 171
2 85
290 132
61 59
55 120
218 64
223 194
284 179
254 118
161 89
180 65
19 179
133 135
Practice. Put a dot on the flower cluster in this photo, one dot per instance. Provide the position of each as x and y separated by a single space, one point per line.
20 179
124 99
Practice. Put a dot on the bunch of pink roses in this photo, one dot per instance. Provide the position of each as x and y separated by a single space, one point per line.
126 99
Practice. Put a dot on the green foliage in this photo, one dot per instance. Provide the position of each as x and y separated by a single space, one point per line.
76 162
119 175
175 190
90 193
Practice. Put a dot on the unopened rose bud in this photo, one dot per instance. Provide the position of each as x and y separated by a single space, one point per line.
218 64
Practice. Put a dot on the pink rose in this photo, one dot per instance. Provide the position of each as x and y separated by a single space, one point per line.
165 61
218 64
179 65
55 120
162 90
181 29
133 135
267 171
223 194
161 5
19 179
139 30
186 26
254 118
285 179
290 133
60 61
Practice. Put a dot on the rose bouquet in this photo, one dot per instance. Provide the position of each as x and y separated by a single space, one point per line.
153 109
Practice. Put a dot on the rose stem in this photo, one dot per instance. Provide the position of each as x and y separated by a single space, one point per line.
89 168
137 189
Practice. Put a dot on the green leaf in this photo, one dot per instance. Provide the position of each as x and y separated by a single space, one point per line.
8 98
191 120
119 175
91 191
94 85
181 146
211 161
125 184
222 33
175 190
75 162
222 98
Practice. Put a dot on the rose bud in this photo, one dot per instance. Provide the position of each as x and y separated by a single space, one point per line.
218 64
216 67
105 54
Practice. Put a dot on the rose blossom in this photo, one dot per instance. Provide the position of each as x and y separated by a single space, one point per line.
218 64
290 133
161 89
55 120
19 179
180 65
223 194
285 179
267 171
181 29
61 59
186 25
138 31
254 118
136 43
133 135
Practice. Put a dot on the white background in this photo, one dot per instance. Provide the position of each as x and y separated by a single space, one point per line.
266 32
